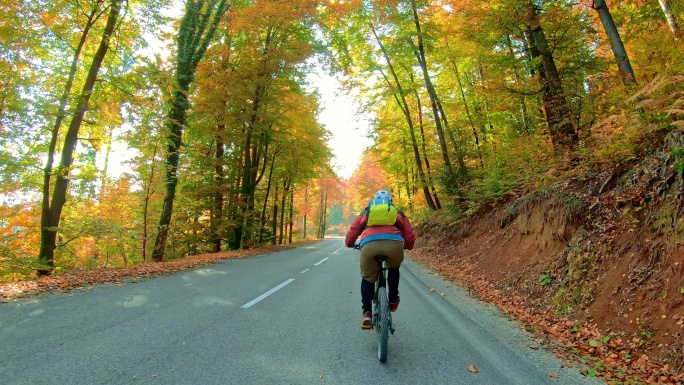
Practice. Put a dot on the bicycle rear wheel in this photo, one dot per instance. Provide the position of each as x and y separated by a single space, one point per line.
383 323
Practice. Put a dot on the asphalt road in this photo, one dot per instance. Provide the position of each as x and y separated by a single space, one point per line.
291 317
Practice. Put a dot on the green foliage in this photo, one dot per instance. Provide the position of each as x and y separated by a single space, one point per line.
678 155
545 278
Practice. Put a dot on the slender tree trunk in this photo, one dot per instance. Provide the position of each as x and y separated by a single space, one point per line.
400 98
319 215
148 195
49 232
325 214
485 118
625 67
217 209
523 106
306 201
671 21
103 185
47 172
423 148
420 54
291 220
268 190
275 216
407 183
286 189
470 116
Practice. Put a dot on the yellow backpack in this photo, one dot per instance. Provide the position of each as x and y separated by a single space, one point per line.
381 213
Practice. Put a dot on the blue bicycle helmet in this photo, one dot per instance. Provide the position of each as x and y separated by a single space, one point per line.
383 195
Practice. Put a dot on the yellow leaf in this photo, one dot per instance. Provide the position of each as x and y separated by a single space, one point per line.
473 369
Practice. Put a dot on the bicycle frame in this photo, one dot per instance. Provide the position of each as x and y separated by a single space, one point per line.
382 317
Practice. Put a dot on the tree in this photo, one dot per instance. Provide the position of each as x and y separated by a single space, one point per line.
195 33
626 72
50 218
671 21
563 132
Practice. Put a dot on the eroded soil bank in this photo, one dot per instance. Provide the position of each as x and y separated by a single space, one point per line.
595 263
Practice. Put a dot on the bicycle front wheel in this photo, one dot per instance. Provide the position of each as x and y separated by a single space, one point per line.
383 324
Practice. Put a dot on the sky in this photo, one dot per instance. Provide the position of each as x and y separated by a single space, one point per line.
348 127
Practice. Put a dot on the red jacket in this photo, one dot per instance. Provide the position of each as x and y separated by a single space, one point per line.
401 228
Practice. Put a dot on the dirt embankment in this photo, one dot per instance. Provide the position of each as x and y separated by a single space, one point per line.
595 263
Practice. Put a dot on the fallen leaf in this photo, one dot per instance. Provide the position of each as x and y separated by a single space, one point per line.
473 369
553 374
432 290
321 377
442 294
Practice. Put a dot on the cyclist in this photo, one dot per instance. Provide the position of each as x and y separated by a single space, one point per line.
384 230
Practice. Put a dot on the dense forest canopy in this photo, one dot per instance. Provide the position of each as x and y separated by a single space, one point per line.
472 101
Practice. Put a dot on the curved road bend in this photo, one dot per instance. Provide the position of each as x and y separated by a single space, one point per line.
291 317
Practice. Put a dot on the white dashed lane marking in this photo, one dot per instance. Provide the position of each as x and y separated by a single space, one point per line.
321 261
266 294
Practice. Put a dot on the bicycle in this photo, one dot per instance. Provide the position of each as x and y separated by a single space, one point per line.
382 317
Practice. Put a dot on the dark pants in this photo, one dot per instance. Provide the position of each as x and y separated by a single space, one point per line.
394 250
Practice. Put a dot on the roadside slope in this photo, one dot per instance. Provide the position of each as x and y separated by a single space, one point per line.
594 262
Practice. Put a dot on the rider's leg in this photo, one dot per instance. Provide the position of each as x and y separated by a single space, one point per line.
367 292
393 284
369 274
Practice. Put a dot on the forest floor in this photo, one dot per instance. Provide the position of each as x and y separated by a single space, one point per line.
85 279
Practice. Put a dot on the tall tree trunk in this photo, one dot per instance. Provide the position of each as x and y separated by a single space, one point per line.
423 148
291 220
268 190
194 35
275 216
558 114
407 181
47 172
286 189
325 215
523 106
148 195
306 202
103 185
625 67
217 209
467 109
400 98
319 215
671 21
245 189
420 54
49 232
